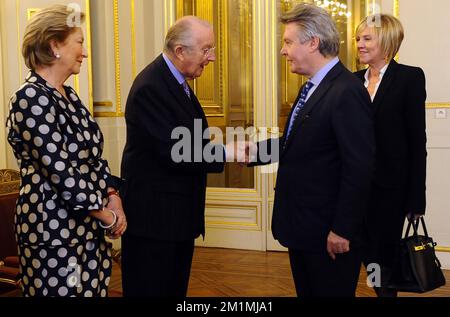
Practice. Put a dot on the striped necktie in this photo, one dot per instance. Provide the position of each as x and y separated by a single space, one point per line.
186 89
300 104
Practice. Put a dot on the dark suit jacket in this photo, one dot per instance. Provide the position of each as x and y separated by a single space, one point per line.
326 166
164 199
400 133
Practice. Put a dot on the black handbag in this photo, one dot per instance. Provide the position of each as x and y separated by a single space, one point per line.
416 268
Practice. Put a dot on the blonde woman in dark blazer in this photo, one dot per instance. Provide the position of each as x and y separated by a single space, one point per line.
398 98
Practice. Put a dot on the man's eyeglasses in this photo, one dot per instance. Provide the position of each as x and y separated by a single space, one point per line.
205 51
209 51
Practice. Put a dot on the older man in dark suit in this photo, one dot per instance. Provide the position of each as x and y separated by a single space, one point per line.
164 190
326 160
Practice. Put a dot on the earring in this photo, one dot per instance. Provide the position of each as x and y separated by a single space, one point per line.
57 55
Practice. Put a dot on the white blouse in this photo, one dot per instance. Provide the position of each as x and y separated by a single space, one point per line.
366 83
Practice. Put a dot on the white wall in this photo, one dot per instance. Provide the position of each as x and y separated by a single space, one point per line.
427 45
9 75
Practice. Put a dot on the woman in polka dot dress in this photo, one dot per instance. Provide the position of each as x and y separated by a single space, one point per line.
68 196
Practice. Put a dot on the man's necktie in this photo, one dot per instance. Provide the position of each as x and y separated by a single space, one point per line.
300 104
186 89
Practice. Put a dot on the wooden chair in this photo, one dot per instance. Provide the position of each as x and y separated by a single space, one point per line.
9 260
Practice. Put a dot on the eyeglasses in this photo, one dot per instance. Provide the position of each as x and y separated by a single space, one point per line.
205 51
209 51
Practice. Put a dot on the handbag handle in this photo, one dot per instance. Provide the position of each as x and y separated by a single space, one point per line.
424 227
415 225
411 223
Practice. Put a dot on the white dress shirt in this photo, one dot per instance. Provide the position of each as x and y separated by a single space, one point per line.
366 83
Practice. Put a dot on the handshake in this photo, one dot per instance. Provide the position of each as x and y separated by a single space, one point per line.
243 152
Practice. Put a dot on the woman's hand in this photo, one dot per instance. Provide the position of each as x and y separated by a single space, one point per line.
115 204
105 216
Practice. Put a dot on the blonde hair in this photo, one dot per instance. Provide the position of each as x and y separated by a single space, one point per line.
52 23
389 31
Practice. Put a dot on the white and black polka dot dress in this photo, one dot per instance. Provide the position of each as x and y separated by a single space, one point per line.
58 146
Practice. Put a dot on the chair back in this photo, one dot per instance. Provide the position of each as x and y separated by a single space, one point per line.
9 192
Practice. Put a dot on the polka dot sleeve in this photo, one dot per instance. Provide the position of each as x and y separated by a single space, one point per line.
101 167
42 137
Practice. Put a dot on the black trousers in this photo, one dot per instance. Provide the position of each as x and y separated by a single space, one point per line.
154 268
383 231
317 275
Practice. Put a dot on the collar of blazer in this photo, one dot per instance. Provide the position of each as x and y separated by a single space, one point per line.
317 95
386 82
191 106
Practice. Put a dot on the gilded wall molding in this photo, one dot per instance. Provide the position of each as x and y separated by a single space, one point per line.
443 249
31 11
170 9
246 57
76 83
19 41
396 9
438 105
180 9
104 104
212 87
218 212
89 60
133 39
116 30
117 56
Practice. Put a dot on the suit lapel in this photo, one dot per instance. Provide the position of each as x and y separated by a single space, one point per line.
360 74
386 82
317 95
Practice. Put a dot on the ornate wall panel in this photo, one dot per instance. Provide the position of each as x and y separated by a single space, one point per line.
210 88
225 89
115 55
